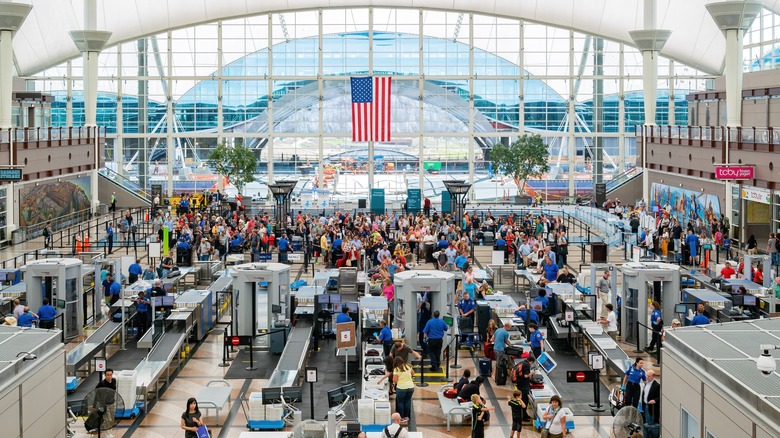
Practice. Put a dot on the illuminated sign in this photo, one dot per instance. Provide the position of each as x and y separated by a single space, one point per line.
735 172
10 174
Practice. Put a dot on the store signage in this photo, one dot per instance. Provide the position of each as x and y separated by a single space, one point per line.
756 195
11 174
735 172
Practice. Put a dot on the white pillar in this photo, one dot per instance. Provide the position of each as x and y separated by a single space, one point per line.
733 18
472 77
650 42
269 111
6 78
12 15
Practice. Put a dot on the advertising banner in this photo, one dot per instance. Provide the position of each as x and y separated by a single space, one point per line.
735 172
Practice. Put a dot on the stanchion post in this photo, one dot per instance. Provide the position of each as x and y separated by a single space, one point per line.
456 366
422 383
638 347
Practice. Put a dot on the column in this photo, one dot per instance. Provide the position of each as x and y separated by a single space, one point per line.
90 43
12 15
649 42
733 18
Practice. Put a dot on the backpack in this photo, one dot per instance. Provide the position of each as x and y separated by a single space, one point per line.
397 432
451 393
777 245
517 372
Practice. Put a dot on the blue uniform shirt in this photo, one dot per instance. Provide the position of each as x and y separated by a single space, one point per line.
466 305
116 288
136 269
655 316
342 317
700 320
635 375
284 244
385 335
536 339
26 320
142 306
47 312
544 300
435 328
534 316
106 288
500 337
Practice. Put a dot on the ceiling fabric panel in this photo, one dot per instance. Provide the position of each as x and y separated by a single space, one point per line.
43 40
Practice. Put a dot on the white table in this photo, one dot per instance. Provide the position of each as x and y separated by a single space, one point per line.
214 397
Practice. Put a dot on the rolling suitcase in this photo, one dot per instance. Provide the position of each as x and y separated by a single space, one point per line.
485 366
487 347
501 372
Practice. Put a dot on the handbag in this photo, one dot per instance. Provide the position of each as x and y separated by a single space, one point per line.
203 432
545 433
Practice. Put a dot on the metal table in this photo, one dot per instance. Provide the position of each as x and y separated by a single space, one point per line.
215 397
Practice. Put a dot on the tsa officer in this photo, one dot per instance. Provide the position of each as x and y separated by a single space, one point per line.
46 314
536 339
385 336
634 374
467 307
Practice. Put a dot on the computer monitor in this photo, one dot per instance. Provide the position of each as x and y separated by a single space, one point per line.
168 287
292 394
60 304
323 298
680 308
335 397
352 307
349 390
447 320
335 299
3 275
738 299
536 305
749 300
272 395
546 362
163 301
275 308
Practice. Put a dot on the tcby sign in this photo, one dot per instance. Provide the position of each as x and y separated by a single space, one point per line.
734 172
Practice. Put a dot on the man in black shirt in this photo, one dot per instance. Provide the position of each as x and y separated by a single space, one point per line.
566 277
108 380
470 389
522 380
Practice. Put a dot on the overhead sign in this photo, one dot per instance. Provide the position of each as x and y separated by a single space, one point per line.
735 172
756 195
11 174
414 200
588 376
377 201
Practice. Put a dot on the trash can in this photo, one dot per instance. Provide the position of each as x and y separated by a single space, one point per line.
18 236
598 252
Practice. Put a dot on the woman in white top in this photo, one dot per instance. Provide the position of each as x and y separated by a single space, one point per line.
555 418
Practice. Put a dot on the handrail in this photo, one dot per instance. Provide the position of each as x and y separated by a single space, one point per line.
58 223
125 182
741 134
622 178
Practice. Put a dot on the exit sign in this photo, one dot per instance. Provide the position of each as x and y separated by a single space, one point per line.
11 174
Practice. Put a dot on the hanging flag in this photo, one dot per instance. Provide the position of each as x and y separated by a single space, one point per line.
371 108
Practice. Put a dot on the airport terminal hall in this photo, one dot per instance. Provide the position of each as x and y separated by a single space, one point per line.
389 219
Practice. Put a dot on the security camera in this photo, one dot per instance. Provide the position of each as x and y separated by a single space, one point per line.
766 363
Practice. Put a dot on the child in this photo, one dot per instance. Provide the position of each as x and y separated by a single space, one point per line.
479 413
518 408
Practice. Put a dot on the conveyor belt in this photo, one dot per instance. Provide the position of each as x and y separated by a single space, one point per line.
221 284
168 343
616 358
95 343
290 363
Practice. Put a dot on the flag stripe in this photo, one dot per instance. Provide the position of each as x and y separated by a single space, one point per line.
371 108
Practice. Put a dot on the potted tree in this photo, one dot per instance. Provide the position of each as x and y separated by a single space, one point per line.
237 163
524 158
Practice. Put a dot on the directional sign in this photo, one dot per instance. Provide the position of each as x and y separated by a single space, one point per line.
11 174
238 340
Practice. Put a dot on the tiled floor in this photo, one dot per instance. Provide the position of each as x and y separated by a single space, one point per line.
163 419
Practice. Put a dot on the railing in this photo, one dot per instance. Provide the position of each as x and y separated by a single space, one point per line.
620 179
126 183
24 135
693 135
59 223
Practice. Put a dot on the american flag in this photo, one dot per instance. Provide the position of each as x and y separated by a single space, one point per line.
371 108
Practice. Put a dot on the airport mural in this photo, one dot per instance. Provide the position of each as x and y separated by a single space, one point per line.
45 201
686 205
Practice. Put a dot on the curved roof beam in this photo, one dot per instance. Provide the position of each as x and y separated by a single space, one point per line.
696 41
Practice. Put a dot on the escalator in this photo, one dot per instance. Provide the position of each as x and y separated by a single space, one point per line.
626 186
128 193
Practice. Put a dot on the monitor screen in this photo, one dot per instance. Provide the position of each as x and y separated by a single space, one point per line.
275 308
749 300
293 394
546 362
352 307
335 299
168 287
272 395
738 300
163 301
323 298
60 304
3 276
335 397
536 305
447 320
680 308
350 390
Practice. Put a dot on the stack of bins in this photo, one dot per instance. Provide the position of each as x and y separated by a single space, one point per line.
382 412
256 407
274 412
126 381
365 411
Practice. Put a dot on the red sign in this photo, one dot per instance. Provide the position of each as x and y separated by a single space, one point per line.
580 377
735 172
235 340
